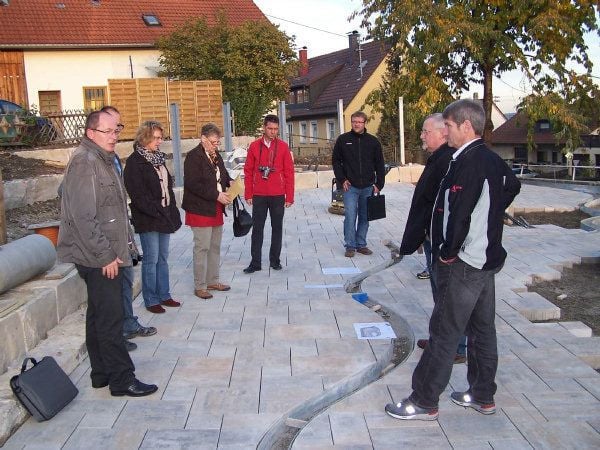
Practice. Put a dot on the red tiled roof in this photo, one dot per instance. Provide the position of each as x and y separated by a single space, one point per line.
347 80
107 23
514 131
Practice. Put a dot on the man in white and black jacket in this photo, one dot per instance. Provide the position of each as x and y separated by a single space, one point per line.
466 232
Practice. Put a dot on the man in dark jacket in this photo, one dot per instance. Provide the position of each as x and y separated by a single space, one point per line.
94 235
359 170
416 232
466 235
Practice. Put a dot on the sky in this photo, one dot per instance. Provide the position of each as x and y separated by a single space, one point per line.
323 27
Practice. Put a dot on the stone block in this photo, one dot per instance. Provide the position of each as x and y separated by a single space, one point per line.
15 193
306 180
534 307
71 294
578 329
13 340
42 188
324 178
39 315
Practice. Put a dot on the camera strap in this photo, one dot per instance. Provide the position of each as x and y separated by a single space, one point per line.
272 155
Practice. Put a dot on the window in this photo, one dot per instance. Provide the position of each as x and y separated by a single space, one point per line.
313 132
291 98
303 132
331 130
290 127
94 98
300 96
151 20
521 154
542 125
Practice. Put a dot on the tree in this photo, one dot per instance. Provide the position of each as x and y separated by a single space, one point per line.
253 61
468 41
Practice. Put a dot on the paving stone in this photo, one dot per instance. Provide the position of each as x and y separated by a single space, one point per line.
181 439
578 329
118 439
156 415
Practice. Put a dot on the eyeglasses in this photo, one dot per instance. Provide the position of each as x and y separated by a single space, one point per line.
109 131
358 121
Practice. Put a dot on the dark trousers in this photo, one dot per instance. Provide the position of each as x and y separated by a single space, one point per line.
104 329
464 301
274 204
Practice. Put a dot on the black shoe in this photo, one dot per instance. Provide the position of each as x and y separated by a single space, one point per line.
130 346
136 389
99 384
276 266
251 269
142 332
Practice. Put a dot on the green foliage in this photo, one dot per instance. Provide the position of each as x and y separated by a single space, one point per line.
253 62
468 42
423 92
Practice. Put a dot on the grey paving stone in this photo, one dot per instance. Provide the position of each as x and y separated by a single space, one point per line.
118 439
181 439
243 431
157 415
279 394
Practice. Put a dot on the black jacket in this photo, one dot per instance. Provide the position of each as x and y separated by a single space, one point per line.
419 216
358 158
468 213
199 187
143 187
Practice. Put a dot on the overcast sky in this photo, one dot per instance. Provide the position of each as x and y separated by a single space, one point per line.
330 18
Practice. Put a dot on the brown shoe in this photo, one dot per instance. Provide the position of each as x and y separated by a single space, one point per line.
171 302
349 253
203 294
156 309
365 251
218 287
460 359
422 343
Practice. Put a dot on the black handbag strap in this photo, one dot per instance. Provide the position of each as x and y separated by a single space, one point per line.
24 366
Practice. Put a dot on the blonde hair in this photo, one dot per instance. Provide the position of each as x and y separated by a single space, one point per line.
145 133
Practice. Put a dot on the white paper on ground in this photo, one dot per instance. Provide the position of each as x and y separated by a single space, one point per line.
374 330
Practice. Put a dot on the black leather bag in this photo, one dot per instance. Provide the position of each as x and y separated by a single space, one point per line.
43 389
242 220
376 207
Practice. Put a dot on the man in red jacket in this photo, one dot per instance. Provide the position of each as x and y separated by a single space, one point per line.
269 186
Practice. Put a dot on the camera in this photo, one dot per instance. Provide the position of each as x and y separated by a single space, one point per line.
265 170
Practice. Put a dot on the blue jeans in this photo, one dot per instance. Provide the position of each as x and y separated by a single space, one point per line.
355 206
465 300
155 269
130 322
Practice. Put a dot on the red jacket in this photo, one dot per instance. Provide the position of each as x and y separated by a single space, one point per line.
281 179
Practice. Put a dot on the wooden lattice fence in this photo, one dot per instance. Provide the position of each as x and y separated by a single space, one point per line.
144 99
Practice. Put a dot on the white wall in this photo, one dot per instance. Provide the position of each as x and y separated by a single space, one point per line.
69 70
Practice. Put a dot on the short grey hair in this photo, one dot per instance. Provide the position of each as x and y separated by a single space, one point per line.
437 119
210 129
466 109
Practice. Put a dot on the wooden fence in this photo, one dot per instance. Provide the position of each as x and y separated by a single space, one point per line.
142 99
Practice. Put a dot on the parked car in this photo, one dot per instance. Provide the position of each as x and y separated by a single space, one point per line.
22 127
524 172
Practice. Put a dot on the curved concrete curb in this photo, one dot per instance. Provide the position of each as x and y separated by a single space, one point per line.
291 423
593 209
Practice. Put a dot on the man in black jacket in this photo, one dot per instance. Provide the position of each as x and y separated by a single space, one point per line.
434 136
466 235
359 170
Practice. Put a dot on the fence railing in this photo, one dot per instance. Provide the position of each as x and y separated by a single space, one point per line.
558 171
26 129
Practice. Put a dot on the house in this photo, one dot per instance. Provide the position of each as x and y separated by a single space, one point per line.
498 117
59 54
510 141
351 75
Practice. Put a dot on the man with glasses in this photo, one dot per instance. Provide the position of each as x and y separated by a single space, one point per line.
131 326
359 170
269 187
94 236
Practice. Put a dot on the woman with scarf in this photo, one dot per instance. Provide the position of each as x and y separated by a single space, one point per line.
204 200
153 212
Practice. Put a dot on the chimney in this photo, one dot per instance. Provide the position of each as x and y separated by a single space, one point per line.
303 57
353 46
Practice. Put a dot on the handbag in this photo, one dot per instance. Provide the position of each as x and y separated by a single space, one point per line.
242 220
43 389
376 207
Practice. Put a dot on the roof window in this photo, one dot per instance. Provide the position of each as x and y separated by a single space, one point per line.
151 20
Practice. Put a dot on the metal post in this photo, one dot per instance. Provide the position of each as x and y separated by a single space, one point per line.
2 214
227 134
340 113
282 122
401 129
176 141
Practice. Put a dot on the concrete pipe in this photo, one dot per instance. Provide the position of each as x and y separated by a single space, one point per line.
25 258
